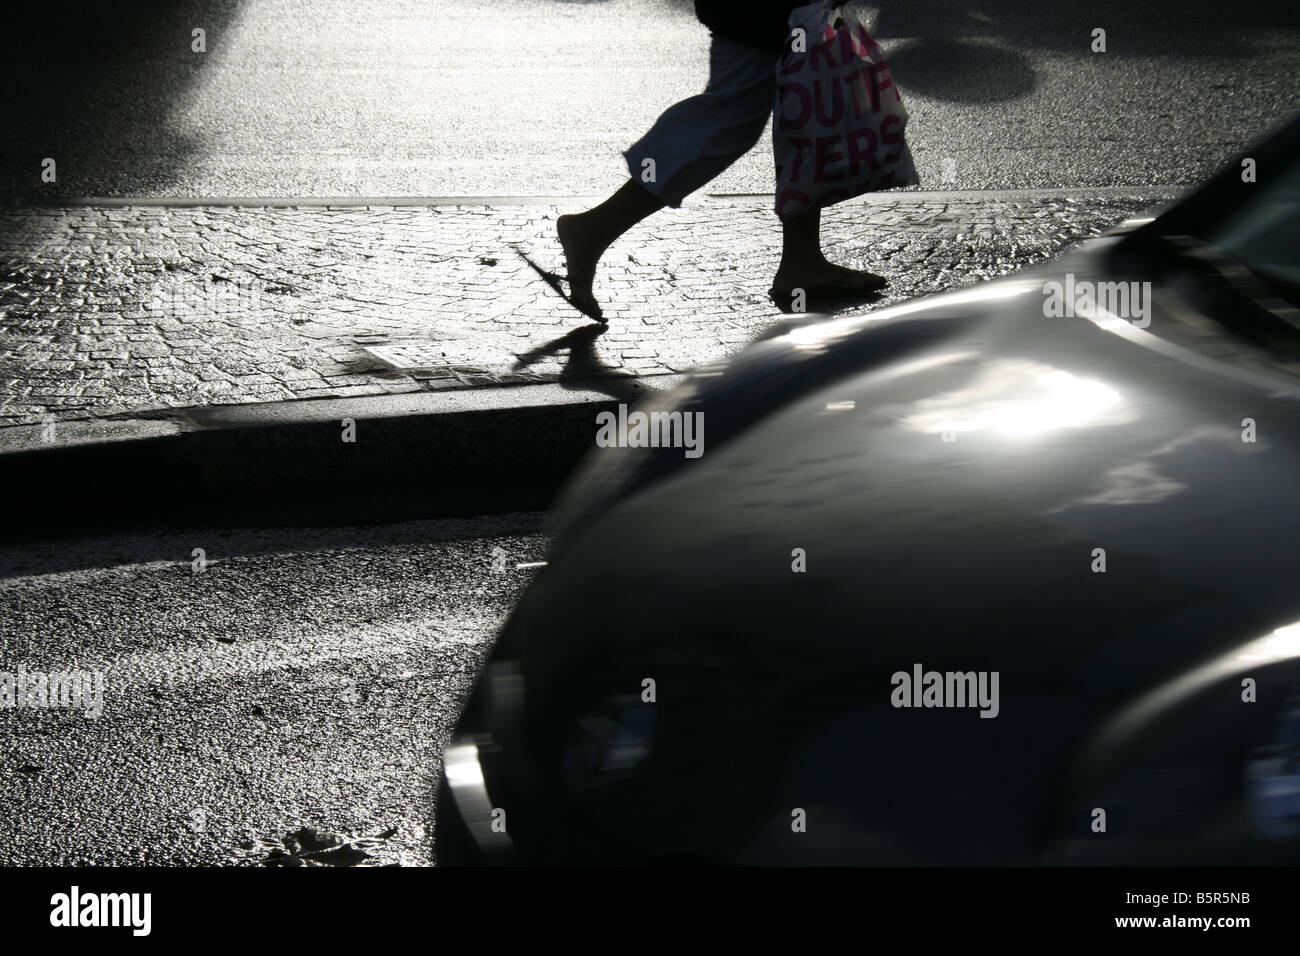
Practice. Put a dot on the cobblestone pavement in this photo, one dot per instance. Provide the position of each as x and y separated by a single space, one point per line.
122 310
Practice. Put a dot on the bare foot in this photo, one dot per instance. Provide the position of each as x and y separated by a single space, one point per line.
824 277
580 258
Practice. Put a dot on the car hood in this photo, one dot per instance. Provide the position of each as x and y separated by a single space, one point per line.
956 484
961 459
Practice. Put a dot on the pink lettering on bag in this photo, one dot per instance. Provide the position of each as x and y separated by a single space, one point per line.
848 49
800 93
857 87
831 116
891 132
827 155
836 138
869 45
873 72
862 146
800 144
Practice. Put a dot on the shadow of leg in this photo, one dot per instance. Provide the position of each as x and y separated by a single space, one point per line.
584 367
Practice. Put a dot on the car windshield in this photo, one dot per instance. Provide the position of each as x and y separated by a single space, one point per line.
1264 233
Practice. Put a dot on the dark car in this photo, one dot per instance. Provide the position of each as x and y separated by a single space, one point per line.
1006 575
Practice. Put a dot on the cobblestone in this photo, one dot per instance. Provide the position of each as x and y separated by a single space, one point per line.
124 310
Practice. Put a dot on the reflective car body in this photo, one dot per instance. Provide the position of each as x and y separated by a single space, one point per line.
1092 514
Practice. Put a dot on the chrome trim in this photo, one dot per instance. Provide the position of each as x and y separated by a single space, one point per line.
469 790
1277 647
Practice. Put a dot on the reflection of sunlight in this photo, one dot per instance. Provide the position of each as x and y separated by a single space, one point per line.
1021 399
1282 644
818 335
1140 482
987 292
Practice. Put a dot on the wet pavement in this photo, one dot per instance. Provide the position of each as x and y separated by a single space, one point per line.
119 310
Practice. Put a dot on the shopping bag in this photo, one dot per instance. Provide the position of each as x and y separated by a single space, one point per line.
839 120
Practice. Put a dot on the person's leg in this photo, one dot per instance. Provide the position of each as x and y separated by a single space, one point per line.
690 144
805 266
585 237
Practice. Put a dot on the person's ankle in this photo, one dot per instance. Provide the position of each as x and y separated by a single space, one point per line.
800 264
803 256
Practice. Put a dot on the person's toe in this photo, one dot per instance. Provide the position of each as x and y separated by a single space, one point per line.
866 280
586 303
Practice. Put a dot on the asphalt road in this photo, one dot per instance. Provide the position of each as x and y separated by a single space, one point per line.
539 97
304 679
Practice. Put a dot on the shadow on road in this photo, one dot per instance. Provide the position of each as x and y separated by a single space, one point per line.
1151 29
982 51
585 369
93 85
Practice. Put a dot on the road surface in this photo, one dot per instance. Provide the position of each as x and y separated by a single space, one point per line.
304 679
539 97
